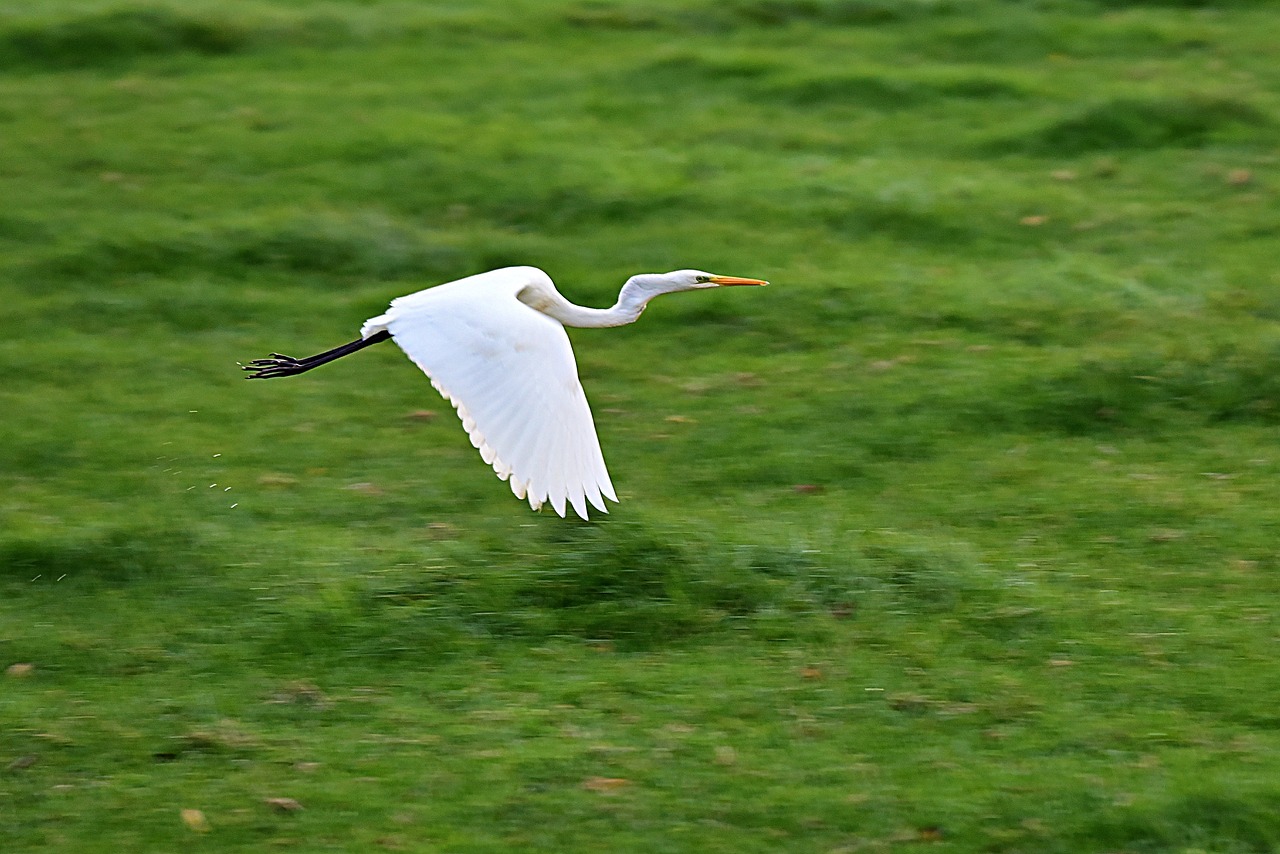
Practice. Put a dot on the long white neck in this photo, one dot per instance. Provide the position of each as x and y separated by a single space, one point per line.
631 302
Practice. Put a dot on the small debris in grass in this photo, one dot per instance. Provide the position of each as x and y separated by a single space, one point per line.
195 820
1063 175
363 488
933 833
810 672
726 755
909 702
23 762
282 804
605 785
21 670
806 488
421 415
1105 167
441 530
1166 535
1061 662
1034 220
300 693
696 387
1239 177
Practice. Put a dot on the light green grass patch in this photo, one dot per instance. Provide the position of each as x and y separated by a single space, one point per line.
961 536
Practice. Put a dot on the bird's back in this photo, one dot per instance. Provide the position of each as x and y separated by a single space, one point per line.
483 289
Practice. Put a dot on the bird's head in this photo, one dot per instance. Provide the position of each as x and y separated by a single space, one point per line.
655 284
696 279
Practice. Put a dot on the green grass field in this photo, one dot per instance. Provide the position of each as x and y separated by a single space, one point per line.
962 536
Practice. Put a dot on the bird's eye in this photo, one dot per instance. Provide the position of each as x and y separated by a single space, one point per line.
702 278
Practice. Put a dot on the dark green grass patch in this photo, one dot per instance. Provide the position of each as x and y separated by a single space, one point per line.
754 80
697 70
118 557
1244 821
776 13
883 92
763 14
326 244
1141 123
115 36
628 586
1177 4
927 221
620 583
1023 36
1148 389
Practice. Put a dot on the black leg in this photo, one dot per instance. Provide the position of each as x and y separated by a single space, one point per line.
277 365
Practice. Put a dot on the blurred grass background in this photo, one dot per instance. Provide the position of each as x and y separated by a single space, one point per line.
963 536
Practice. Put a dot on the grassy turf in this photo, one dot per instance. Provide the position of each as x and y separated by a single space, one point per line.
961 537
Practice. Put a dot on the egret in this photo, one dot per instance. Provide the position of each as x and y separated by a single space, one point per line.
494 346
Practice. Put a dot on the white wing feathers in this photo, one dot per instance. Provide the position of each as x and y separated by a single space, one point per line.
509 371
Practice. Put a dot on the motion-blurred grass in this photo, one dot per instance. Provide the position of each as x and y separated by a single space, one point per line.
963 536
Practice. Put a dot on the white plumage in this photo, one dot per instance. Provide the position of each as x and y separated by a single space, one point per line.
509 371
494 345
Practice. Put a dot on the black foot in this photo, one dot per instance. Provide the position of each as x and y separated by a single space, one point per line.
280 365
275 365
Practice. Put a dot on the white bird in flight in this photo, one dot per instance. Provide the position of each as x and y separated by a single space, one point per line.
494 345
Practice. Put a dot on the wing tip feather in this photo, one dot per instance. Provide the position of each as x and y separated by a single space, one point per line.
594 489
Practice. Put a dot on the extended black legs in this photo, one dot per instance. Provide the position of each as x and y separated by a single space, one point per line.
277 365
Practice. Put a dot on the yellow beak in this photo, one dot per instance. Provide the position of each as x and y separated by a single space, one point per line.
736 280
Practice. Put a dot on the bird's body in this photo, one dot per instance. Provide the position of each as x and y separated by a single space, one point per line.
494 345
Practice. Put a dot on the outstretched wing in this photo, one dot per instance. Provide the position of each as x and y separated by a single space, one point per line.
509 371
